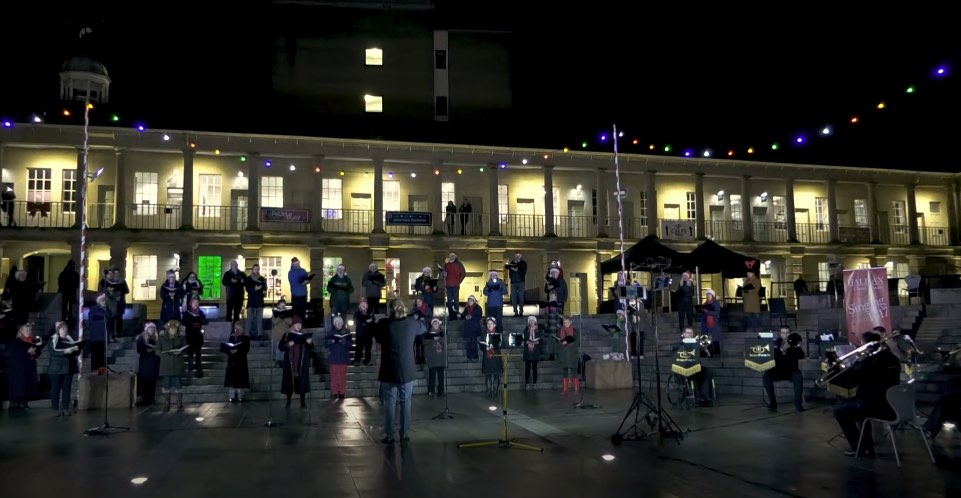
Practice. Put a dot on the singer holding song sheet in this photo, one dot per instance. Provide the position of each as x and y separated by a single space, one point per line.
296 346
236 377
532 351
338 349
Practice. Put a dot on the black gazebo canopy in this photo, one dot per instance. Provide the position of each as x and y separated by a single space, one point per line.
646 253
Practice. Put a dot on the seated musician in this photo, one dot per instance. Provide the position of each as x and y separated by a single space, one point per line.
874 374
704 378
947 408
787 352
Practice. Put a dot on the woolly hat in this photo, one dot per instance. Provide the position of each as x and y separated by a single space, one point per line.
619 312
531 318
338 319
472 297
296 319
494 273
491 319
294 260
426 269
435 320
363 300
711 292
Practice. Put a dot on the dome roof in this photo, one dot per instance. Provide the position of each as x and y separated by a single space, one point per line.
85 64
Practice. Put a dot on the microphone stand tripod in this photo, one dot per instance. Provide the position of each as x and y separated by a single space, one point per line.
580 330
446 414
105 429
270 400
656 415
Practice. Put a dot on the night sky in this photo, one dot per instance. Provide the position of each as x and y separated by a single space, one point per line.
717 79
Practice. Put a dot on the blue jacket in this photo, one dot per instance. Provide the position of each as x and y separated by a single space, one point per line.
339 349
97 324
495 293
297 277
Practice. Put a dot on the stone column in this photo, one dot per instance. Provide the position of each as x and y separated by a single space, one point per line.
913 214
317 266
795 269
602 221
953 211
120 191
253 191
790 214
118 256
699 205
494 210
317 214
652 218
378 195
81 197
187 209
549 201
437 199
872 208
746 211
833 212
251 256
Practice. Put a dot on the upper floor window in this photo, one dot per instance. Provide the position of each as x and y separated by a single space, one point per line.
373 103
145 192
691 205
272 191
333 198
39 184
860 212
69 192
374 57
448 192
210 195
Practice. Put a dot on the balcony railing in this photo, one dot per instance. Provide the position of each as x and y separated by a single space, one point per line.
813 233
854 235
770 231
100 215
934 236
153 216
522 225
575 226
40 214
899 235
225 218
724 231
348 220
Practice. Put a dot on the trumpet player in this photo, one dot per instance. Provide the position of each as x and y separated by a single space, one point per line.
705 377
874 374
787 352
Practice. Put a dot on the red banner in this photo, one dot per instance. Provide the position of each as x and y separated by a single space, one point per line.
866 301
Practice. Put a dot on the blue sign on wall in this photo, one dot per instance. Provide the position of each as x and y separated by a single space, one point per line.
409 218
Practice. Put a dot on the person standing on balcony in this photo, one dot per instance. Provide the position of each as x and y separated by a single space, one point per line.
454 273
517 274
465 216
171 297
685 302
372 282
68 283
495 290
450 214
298 278
234 280
7 198
256 287
340 288
427 287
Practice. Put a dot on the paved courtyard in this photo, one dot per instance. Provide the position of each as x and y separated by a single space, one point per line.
333 450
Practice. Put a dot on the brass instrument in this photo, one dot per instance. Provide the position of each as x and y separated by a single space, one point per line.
704 341
839 365
946 356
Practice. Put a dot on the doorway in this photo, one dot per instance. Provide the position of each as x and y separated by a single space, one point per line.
360 220
524 224
238 210
577 221
577 291
36 267
105 200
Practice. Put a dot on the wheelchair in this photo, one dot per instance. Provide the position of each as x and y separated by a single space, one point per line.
681 391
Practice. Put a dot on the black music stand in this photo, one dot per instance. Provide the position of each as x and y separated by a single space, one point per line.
446 414
105 429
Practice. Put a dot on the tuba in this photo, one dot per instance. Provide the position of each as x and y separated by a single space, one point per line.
840 364
704 341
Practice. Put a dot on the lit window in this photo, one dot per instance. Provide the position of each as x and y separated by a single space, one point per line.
39 184
275 284
374 57
860 212
209 272
643 206
780 212
737 212
821 213
69 193
145 193
503 206
145 277
691 205
333 198
447 193
272 192
391 196
373 103
210 196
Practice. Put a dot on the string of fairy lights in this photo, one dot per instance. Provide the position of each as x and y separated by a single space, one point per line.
603 139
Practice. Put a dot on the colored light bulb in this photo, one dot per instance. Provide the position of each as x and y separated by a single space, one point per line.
775 146
854 120
910 89
584 145
667 148
730 153
243 158
881 105
114 118
750 150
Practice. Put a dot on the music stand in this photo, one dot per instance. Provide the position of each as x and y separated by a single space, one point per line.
581 403
105 429
505 440
762 404
270 400
446 414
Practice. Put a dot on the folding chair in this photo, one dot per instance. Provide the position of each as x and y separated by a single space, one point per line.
902 399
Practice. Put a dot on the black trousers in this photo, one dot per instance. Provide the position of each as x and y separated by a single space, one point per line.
234 305
435 379
772 376
362 352
373 303
118 321
68 308
194 358
60 391
685 315
851 413
703 381
148 389
299 304
530 372
98 354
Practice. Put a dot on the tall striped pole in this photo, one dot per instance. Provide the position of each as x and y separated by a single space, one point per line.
83 218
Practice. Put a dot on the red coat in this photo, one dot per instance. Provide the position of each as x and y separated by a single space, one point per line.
455 273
